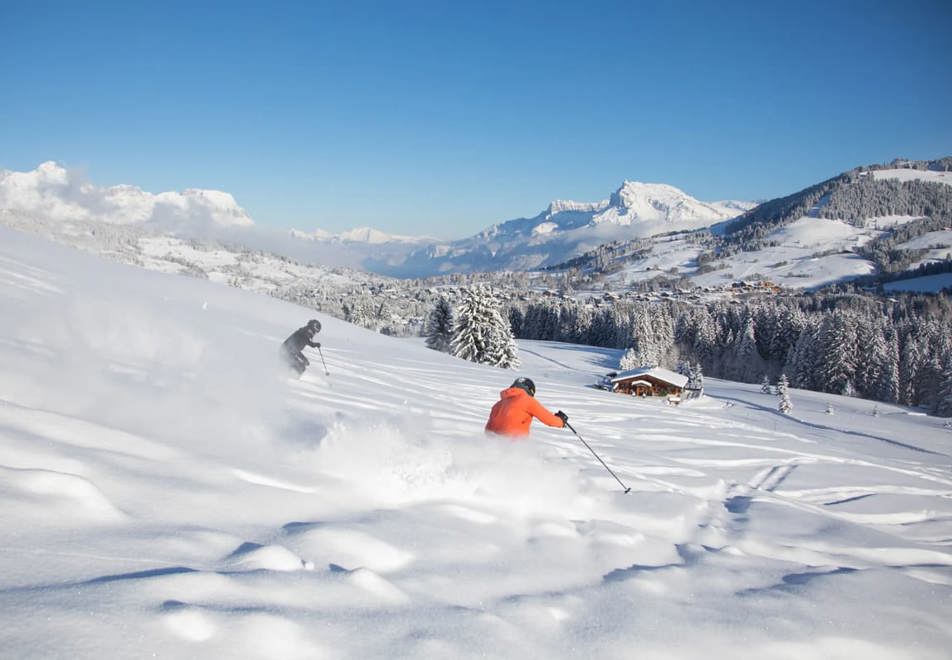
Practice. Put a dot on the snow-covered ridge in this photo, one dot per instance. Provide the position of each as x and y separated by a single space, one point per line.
57 193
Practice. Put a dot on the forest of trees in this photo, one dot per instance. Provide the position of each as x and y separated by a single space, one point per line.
866 197
898 351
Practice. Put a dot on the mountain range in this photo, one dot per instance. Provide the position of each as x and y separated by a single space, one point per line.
874 219
566 229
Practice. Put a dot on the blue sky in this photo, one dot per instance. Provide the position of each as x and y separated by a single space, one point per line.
445 117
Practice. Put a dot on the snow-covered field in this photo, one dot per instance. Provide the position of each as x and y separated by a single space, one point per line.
810 253
926 283
166 492
908 174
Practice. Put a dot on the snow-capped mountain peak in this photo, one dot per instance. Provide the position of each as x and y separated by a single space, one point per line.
568 228
636 201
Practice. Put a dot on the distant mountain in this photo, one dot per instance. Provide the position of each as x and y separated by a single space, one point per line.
873 223
367 235
566 229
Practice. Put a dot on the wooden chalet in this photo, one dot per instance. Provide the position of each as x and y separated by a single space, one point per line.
646 381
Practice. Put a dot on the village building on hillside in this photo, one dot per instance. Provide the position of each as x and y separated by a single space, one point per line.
646 381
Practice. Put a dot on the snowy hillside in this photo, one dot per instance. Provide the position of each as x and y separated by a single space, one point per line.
906 174
567 229
167 492
863 222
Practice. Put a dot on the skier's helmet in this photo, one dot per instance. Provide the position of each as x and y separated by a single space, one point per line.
314 325
524 384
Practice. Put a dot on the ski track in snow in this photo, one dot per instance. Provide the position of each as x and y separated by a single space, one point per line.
166 491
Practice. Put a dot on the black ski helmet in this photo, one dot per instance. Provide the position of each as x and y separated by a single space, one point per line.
524 384
314 325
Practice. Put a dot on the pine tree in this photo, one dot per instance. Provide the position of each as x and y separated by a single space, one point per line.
803 359
910 362
516 320
634 358
439 327
745 360
785 405
837 365
481 335
943 406
765 385
695 384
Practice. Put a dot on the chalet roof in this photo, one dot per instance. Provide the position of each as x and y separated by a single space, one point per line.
665 375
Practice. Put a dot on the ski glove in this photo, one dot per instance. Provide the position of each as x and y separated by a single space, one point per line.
565 418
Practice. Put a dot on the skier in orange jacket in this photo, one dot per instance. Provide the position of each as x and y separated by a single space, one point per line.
512 415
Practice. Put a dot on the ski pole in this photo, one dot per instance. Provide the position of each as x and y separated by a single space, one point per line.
326 372
627 488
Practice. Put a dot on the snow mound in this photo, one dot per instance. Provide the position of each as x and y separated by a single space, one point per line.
252 556
53 492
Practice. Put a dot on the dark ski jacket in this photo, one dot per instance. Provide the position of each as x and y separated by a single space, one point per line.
302 337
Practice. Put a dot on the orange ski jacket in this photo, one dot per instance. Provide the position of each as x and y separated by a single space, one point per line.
514 411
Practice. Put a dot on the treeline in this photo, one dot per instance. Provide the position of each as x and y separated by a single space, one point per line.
751 227
897 351
886 252
855 197
865 197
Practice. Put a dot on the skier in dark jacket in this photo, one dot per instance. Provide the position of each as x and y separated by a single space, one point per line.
291 349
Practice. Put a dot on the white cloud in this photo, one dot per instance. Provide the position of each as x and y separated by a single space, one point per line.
60 194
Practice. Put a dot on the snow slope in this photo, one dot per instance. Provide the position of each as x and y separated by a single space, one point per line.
167 492
809 253
924 284
909 174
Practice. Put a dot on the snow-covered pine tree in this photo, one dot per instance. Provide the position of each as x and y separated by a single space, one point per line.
695 384
838 348
633 359
481 334
705 340
765 385
887 389
785 405
943 406
802 359
439 326
910 362
745 361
